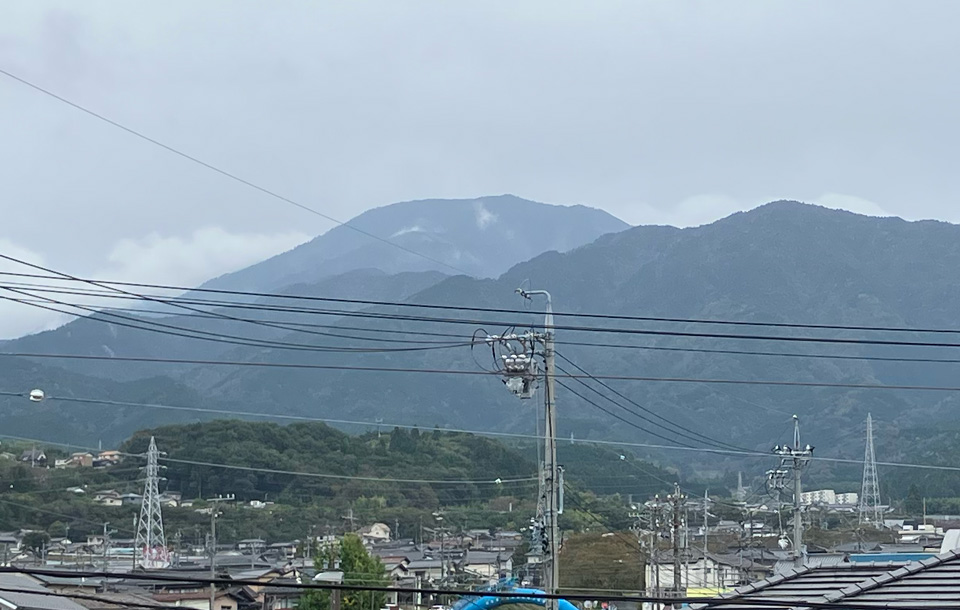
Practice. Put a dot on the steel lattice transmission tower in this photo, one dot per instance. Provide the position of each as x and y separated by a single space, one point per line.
151 545
870 509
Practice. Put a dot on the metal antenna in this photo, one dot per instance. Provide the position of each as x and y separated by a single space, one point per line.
870 510
151 543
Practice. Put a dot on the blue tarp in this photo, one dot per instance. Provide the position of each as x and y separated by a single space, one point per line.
895 557
486 602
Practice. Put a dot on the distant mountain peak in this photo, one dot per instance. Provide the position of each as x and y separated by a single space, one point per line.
482 237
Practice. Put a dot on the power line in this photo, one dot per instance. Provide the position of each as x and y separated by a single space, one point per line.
493 481
746 453
681 430
569 314
379 369
223 172
349 313
497 481
217 337
159 300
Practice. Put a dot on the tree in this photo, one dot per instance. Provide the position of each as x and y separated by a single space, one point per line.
913 503
358 567
35 541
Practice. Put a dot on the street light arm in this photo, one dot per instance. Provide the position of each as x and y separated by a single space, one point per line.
548 319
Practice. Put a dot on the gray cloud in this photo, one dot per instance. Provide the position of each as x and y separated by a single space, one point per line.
676 112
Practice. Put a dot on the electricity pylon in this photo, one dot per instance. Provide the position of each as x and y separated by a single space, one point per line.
870 510
151 545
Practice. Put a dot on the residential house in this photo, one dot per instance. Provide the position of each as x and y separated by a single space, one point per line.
251 545
427 570
21 592
701 574
36 457
108 497
76 460
284 551
111 456
170 498
374 534
231 599
931 583
488 566
118 600
130 498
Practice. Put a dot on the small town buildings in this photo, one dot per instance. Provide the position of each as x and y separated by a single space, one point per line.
700 574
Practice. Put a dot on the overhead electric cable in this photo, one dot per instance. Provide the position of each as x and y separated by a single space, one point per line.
223 172
154 299
371 302
381 369
492 481
669 425
755 454
288 323
173 330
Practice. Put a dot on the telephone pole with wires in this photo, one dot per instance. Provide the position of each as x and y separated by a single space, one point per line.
792 462
676 501
517 364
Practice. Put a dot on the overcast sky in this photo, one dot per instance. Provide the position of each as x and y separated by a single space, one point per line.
659 112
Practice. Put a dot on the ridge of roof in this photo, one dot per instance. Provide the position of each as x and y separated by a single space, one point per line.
759 585
892 576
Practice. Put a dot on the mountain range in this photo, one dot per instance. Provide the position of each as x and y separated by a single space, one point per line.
784 262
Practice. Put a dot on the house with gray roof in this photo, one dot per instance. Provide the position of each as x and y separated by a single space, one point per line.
929 583
20 592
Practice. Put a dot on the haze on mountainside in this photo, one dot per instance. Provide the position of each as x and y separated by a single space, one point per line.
679 113
785 261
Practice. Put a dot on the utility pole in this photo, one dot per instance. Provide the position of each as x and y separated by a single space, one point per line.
520 375
213 556
794 458
706 502
214 513
106 545
438 517
676 502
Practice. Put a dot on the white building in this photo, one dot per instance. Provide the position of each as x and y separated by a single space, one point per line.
821 496
829 497
848 499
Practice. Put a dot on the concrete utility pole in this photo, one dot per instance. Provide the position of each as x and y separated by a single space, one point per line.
438 517
795 459
706 502
520 376
214 513
676 500
213 556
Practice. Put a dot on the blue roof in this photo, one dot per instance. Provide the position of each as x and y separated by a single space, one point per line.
898 557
